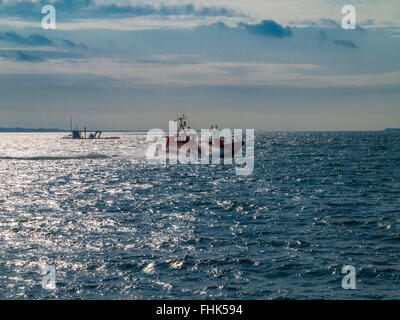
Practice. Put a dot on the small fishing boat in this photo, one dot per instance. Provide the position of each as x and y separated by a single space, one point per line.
78 135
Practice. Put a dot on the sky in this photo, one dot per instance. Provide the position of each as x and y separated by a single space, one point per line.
269 65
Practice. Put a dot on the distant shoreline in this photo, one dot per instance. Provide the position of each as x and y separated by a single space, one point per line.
55 130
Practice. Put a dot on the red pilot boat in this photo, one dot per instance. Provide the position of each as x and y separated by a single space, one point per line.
189 139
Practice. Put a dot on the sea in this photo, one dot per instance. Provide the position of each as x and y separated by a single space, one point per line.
83 219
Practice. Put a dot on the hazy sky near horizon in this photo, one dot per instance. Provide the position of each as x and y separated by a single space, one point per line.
273 65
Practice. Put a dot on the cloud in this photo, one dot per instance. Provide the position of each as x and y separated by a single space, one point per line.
368 22
328 23
69 43
165 10
128 74
254 10
269 28
21 56
174 59
34 39
39 40
89 9
345 43
72 44
37 55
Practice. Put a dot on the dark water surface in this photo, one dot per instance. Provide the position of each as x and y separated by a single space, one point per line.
117 227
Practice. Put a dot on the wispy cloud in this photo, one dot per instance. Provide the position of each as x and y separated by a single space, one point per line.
34 39
328 23
324 13
18 55
27 54
206 74
72 44
345 43
37 40
163 10
89 9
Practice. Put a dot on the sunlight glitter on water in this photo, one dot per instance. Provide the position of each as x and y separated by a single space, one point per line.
116 227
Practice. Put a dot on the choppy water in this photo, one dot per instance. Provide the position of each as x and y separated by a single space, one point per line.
117 227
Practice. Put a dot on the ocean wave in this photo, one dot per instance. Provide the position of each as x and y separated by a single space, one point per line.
57 158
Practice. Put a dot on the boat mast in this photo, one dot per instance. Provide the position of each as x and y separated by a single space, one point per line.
182 123
70 119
